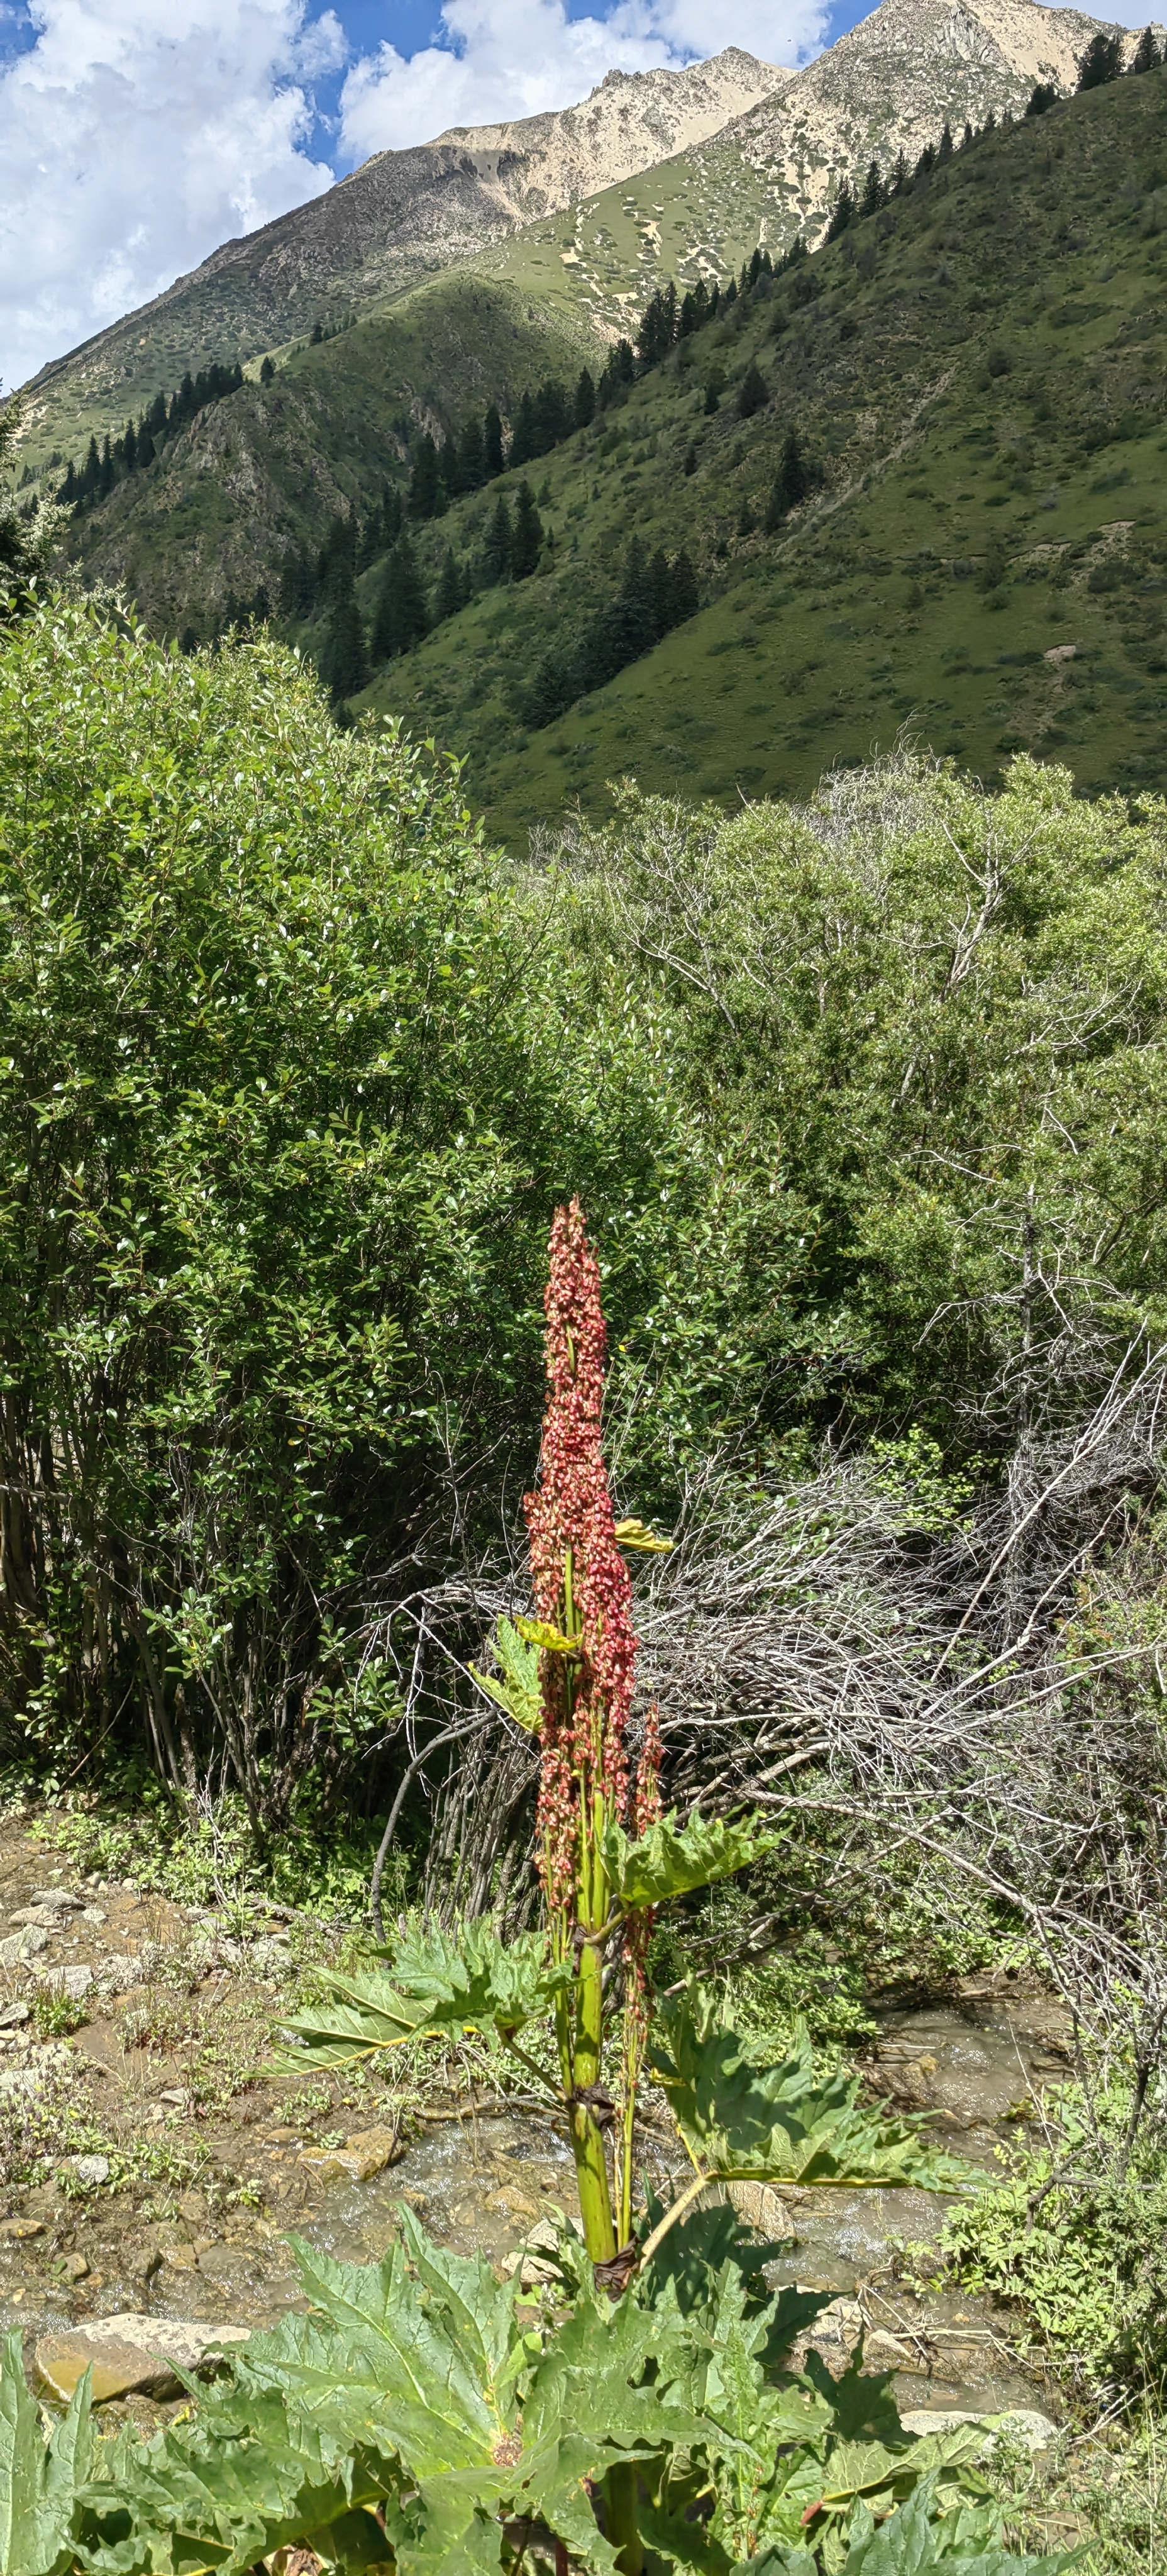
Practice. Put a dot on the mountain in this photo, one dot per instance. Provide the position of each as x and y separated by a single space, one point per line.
396 221
656 169
890 86
977 378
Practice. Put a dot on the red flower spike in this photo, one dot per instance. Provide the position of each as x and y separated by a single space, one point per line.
584 1760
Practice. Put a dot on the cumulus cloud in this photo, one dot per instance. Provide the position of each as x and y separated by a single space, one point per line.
507 58
135 137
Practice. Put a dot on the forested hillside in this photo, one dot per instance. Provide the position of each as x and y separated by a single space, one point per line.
970 541
914 478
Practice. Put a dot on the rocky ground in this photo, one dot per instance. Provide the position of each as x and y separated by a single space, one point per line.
152 2170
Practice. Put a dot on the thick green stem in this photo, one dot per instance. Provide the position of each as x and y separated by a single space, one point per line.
623 2517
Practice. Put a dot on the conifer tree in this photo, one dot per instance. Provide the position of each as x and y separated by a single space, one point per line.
1147 57
752 395
423 482
730 295
344 659
449 474
713 389
967 136
945 151
496 552
527 538
687 315
492 458
684 601
105 481
522 446
791 482
689 461
1102 60
841 211
585 399
146 449
70 488
267 373
755 267
899 176
401 612
471 458
1043 97
448 600
874 191
130 447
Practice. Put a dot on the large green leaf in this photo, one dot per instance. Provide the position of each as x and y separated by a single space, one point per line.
783 2123
38 2478
412 2385
671 1859
965 2542
436 1984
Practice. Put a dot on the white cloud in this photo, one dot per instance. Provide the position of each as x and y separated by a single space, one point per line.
507 58
134 137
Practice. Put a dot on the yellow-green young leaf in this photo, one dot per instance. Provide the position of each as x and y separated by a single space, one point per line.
550 1641
644 1541
783 2123
671 1859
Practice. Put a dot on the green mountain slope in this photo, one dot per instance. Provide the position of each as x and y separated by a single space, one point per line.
981 376
255 477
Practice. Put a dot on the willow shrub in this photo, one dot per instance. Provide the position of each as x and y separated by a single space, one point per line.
939 1012
291 1076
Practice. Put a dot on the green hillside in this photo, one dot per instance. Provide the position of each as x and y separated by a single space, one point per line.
698 214
979 372
256 476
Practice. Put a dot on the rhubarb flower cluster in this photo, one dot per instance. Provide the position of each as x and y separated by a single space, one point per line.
576 1557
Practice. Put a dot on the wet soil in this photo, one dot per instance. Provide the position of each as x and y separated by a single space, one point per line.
205 2176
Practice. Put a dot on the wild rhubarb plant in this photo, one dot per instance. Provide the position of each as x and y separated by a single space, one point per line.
423 2418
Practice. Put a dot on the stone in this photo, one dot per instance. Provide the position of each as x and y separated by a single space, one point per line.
13 2016
130 2354
517 2204
74 1982
19 1947
119 1972
759 2204
93 1914
365 2153
75 2266
179 2257
58 1899
1023 2422
19 2230
91 2171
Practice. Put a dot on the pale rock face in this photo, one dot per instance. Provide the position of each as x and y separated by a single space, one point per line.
632 120
892 82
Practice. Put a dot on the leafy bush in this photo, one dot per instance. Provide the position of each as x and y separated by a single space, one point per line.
284 1104
909 994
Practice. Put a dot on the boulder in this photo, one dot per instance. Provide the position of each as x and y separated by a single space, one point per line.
130 2355
21 1946
759 2204
1023 2422
365 2153
74 1982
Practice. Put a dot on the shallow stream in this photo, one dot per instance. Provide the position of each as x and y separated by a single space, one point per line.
483 2182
